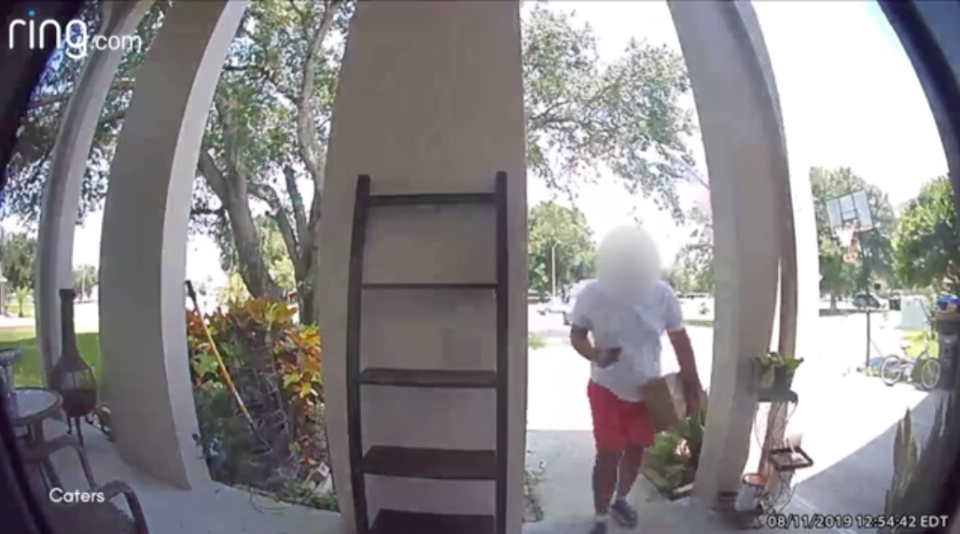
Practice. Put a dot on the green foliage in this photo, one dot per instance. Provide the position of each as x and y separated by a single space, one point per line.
28 371
927 254
274 253
17 254
692 270
582 114
555 230
85 279
663 451
841 277
29 165
691 430
768 364
916 471
233 290
257 338
535 342
266 135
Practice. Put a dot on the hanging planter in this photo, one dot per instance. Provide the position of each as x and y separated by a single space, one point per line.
775 377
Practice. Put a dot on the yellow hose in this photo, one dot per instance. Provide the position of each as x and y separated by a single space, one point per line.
224 374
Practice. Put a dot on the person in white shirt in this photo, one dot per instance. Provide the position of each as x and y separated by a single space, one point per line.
625 312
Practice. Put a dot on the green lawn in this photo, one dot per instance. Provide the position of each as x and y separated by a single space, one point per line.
13 308
916 341
27 372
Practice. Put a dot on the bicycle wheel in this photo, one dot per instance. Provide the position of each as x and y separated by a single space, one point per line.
928 376
891 371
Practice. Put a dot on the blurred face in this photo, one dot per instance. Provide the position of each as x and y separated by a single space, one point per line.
628 262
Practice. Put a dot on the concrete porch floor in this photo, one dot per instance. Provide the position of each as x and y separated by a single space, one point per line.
212 509
219 509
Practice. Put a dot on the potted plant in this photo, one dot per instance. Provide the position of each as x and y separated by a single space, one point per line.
775 374
691 434
670 464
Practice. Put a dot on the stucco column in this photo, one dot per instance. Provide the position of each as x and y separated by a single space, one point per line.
743 141
61 199
430 100
144 242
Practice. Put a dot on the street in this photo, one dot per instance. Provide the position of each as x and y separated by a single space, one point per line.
845 417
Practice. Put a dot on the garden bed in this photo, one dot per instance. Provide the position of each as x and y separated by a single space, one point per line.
273 365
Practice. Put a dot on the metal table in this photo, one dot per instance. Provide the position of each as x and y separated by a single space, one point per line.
29 409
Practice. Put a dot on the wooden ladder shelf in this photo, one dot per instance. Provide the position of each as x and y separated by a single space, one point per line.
426 463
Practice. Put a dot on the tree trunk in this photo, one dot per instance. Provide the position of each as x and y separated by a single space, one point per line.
253 270
308 312
833 301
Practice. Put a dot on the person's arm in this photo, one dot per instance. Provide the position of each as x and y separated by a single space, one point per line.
688 363
580 341
681 344
581 324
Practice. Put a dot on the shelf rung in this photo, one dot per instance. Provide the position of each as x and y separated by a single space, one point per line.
431 285
429 378
399 522
432 199
435 464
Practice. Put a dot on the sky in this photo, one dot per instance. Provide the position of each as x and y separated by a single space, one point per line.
848 93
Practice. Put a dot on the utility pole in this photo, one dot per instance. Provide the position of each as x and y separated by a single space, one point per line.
852 222
553 269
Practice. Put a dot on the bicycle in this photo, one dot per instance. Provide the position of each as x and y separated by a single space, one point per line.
924 370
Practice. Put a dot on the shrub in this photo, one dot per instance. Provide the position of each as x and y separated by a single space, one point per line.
276 366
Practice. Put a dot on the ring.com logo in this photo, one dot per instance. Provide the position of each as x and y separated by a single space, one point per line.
75 39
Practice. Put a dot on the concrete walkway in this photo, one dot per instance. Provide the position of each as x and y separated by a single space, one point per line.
847 421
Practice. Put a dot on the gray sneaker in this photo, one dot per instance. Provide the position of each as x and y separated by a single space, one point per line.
623 514
599 527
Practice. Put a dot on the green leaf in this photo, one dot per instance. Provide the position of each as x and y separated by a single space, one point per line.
289 379
766 377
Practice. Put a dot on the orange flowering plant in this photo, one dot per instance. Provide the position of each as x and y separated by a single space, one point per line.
261 335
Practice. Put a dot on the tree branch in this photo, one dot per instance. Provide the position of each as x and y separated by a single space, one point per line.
126 84
296 200
300 13
537 119
306 127
208 168
241 68
197 210
270 76
278 213
234 175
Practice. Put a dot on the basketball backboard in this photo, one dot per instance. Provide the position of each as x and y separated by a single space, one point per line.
848 212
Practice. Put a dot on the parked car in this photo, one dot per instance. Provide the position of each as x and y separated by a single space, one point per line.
864 300
554 305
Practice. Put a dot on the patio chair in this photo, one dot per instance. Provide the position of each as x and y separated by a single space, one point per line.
93 517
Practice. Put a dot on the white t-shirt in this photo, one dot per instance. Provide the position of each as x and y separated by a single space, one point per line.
635 327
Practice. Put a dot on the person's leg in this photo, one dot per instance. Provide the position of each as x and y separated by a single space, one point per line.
629 469
640 434
610 438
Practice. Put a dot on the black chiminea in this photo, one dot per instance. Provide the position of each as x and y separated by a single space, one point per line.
72 377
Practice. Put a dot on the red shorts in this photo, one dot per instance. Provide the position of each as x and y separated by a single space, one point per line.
616 422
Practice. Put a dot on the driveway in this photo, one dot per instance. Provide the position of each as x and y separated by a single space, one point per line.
846 420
